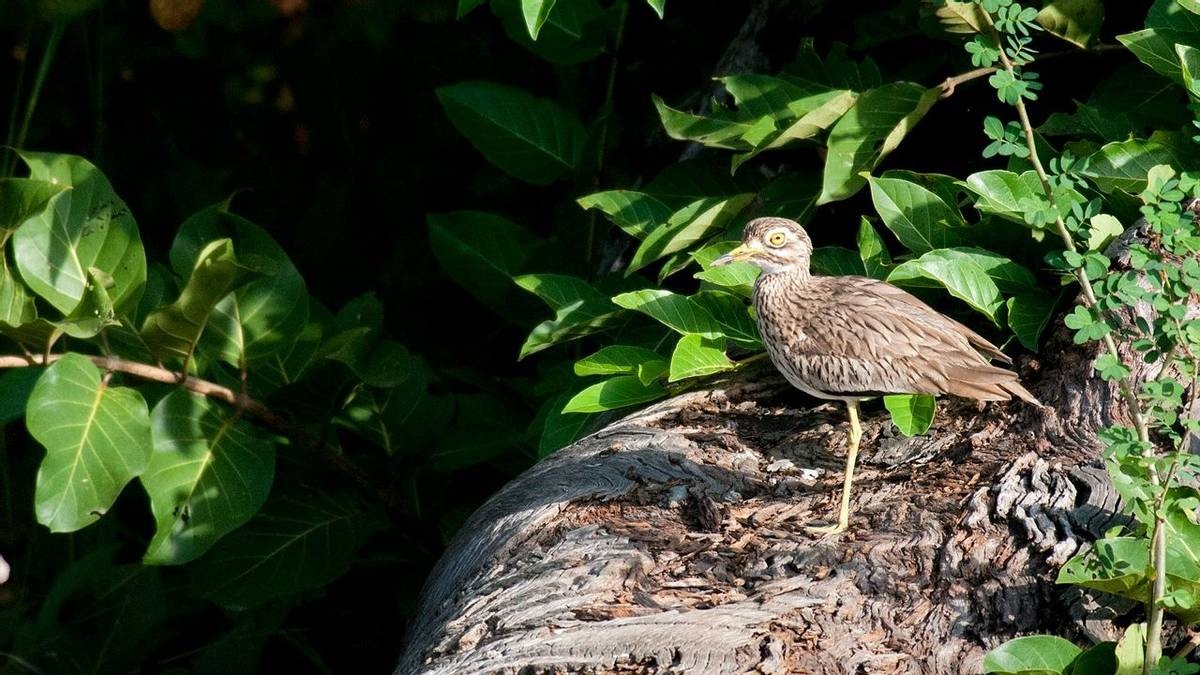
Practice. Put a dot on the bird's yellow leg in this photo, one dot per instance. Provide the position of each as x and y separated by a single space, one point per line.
855 436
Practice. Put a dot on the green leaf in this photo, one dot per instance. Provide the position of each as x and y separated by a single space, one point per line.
873 251
675 311
918 217
299 541
837 261
1076 21
560 430
1102 229
611 394
1124 165
93 314
658 6
683 183
533 139
974 275
695 356
715 132
828 109
616 360
173 331
536 12
1155 47
1131 650
1001 193
84 227
636 213
687 226
261 318
1117 565
911 413
1031 655
573 33
481 252
961 18
1028 316
210 472
738 277
732 314
22 199
97 439
1189 63
579 310
836 71
869 132
792 195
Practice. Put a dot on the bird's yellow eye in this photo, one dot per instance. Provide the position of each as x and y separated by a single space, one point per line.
777 238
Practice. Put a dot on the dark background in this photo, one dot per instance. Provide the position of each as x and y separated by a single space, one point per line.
321 116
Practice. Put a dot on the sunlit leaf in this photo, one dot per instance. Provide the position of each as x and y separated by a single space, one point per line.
920 219
1076 21
695 356
97 439
911 413
210 472
1031 655
614 393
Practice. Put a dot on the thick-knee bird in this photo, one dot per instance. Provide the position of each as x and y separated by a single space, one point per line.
850 338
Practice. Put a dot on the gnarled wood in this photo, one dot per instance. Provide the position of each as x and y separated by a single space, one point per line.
671 541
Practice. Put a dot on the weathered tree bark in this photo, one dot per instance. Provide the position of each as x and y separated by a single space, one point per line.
672 541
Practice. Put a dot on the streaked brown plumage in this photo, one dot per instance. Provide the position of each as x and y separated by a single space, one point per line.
849 338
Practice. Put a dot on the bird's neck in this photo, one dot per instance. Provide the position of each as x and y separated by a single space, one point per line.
791 276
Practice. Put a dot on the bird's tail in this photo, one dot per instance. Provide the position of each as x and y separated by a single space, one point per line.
986 382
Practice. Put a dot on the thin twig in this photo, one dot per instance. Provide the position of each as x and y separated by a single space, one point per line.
242 402
950 83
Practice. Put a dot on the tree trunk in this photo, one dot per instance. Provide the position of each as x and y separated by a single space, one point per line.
672 541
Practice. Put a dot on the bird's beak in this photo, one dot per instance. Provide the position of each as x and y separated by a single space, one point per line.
742 252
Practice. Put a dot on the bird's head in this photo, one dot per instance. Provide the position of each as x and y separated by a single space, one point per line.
772 244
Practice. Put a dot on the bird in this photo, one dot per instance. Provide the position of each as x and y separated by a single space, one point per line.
851 338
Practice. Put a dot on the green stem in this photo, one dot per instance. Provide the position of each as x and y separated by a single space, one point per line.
39 80
9 154
1154 608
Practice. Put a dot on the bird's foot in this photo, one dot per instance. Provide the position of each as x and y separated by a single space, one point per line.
826 530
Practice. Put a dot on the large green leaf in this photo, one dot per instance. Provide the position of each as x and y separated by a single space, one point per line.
1031 655
23 198
696 356
614 393
1124 165
97 439
616 360
573 33
732 315
579 310
84 227
481 252
975 276
210 472
1076 21
260 319
300 540
172 332
637 213
828 108
738 277
1028 316
711 130
911 413
687 226
836 261
675 311
531 138
1155 47
869 132
920 219
1117 565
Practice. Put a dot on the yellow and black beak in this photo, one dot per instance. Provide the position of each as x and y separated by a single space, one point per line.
742 252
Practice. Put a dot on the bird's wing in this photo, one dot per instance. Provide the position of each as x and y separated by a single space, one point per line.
859 334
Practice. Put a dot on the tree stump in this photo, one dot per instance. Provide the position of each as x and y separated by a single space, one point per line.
672 541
